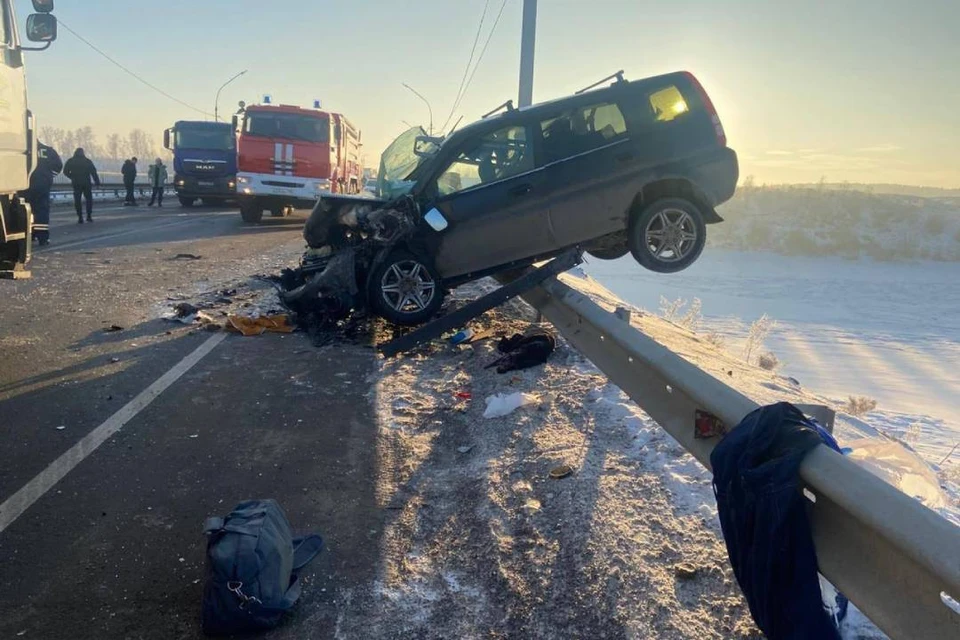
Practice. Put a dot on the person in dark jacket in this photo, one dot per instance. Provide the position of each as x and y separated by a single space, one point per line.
82 173
129 171
49 165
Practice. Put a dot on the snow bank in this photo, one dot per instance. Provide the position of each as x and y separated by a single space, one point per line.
847 223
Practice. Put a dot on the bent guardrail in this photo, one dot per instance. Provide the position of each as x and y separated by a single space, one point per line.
897 560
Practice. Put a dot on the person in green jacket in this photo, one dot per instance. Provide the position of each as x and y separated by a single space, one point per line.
158 180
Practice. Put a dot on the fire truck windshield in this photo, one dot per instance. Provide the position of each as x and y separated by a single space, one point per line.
287 125
219 139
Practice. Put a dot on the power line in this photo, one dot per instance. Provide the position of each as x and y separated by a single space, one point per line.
128 71
466 71
482 52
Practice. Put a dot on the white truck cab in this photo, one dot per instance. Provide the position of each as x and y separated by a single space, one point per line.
18 144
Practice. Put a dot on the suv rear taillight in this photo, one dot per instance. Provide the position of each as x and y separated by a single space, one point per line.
711 110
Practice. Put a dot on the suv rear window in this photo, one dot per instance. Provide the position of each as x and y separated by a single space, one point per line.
581 130
668 104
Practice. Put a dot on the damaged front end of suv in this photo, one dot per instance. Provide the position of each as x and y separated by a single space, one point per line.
352 240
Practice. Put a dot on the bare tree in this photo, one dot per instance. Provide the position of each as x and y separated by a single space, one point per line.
140 144
86 138
115 146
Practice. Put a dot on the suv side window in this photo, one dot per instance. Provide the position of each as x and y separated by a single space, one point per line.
582 130
496 156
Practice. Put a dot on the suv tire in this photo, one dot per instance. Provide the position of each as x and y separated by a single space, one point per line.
185 201
251 211
609 253
405 289
667 235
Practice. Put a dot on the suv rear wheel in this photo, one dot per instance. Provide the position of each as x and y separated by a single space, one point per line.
668 235
609 253
405 289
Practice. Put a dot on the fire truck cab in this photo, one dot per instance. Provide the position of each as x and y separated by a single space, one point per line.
288 156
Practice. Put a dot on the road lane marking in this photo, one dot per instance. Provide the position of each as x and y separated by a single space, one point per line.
76 243
23 499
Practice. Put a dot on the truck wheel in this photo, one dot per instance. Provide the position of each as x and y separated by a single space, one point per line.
404 289
185 201
668 235
251 211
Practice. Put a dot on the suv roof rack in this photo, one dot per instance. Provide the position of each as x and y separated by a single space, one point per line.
618 75
508 105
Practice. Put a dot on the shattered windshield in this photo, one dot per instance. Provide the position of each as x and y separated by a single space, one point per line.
400 160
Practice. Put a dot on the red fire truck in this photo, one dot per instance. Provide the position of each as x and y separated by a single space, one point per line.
287 157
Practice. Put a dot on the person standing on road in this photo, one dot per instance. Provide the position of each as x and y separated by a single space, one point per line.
129 171
81 171
48 166
158 180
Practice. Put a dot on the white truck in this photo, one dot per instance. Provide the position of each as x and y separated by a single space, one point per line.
18 143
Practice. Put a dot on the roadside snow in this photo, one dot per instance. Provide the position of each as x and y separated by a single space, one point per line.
887 331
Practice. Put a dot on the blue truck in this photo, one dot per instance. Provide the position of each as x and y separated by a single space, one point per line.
204 161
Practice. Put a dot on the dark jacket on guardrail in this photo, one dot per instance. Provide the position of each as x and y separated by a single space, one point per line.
756 478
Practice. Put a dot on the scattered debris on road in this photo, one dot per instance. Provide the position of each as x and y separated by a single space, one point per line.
502 405
187 256
255 326
524 351
114 328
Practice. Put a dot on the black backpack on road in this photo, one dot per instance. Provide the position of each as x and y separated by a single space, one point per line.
253 562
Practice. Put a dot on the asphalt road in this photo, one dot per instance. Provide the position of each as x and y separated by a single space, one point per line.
105 541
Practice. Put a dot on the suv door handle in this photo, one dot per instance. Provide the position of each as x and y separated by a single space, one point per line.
521 190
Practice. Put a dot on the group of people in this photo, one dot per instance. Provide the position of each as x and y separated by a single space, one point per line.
83 175
156 174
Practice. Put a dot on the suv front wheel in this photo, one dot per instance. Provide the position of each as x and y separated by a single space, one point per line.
404 289
668 235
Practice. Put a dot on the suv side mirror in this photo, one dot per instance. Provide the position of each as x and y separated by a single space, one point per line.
43 6
41 27
166 138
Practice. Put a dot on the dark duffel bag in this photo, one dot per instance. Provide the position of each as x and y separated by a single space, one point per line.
252 566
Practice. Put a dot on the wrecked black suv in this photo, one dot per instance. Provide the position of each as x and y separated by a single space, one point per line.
631 167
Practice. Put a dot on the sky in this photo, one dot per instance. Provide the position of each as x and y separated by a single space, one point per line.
844 90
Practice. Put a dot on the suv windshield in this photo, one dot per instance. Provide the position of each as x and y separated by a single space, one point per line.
287 125
400 160
220 138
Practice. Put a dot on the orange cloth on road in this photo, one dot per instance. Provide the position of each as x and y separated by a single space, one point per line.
258 326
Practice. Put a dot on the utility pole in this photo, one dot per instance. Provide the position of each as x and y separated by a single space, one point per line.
528 45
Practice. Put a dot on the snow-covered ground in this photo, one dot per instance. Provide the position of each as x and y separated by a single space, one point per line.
888 331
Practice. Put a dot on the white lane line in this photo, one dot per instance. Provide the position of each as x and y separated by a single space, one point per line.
23 499
54 248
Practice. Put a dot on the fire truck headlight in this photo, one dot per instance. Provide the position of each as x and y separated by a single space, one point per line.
243 180
322 185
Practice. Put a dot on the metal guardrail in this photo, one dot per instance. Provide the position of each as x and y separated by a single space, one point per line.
897 560
63 193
